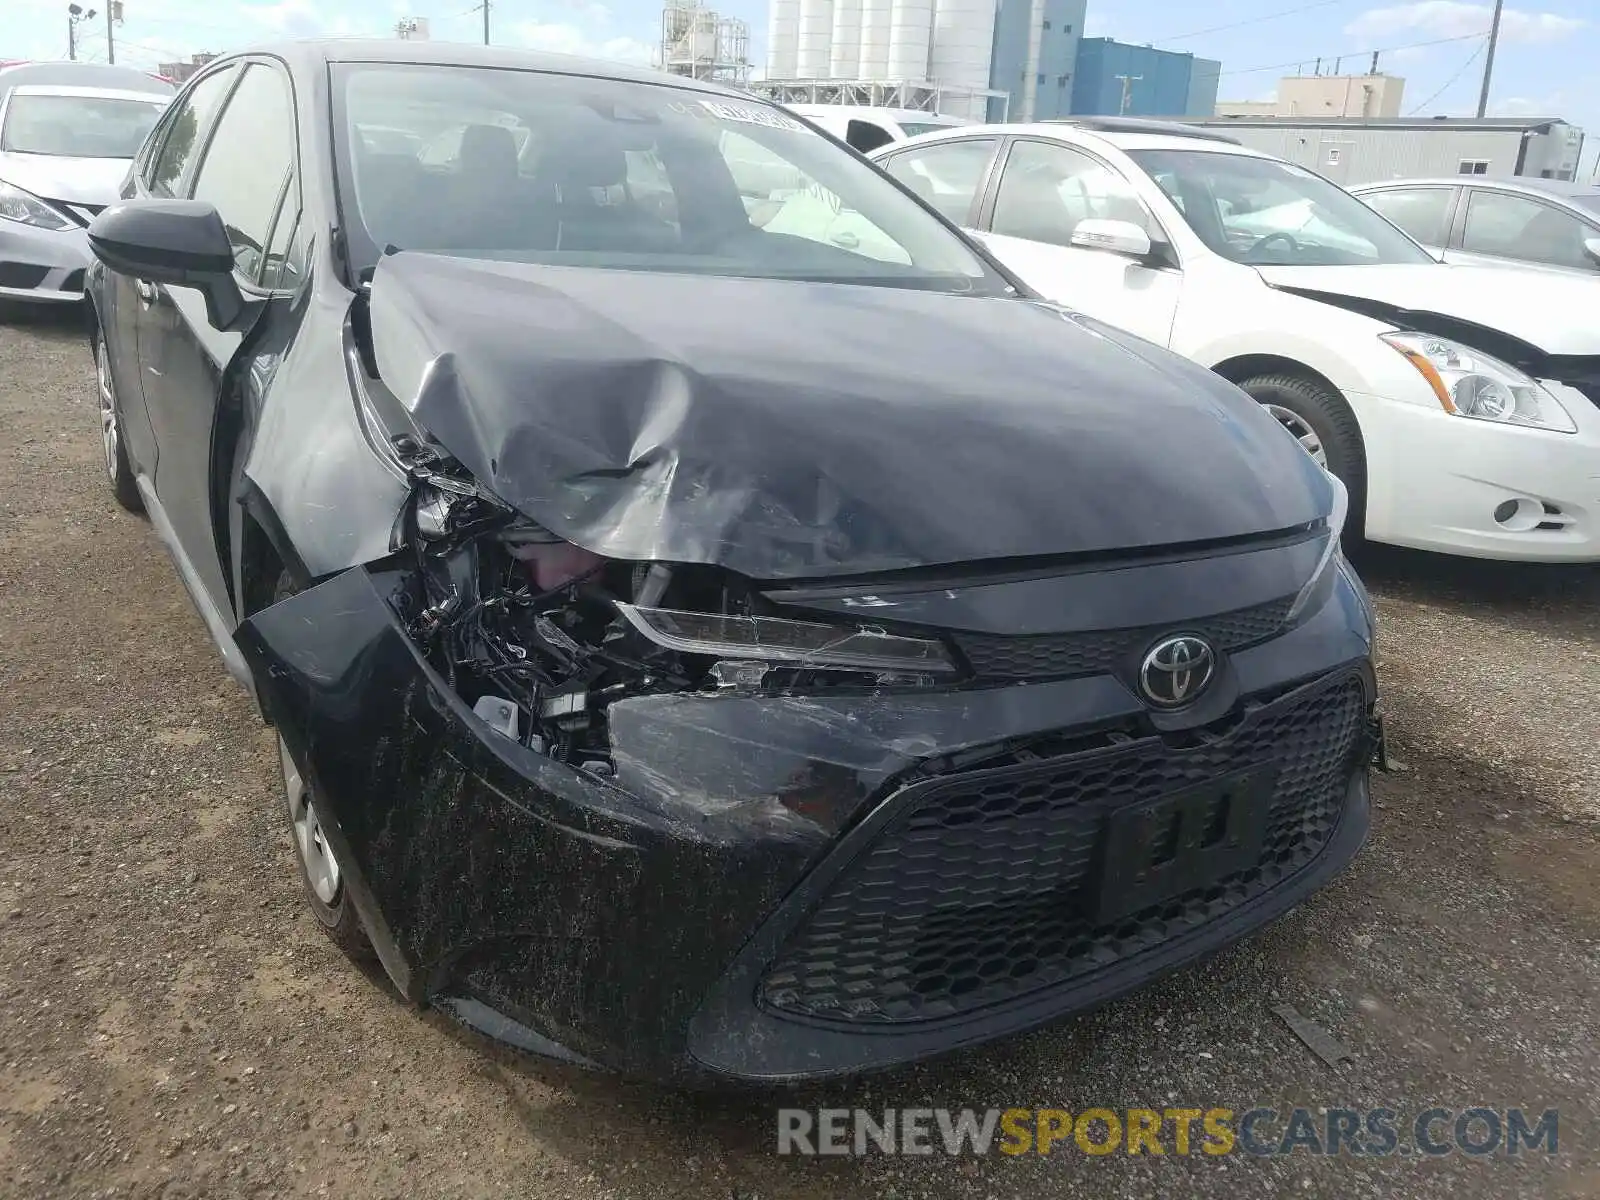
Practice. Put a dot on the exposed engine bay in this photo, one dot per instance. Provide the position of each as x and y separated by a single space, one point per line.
538 636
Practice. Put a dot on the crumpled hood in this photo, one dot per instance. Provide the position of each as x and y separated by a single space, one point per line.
791 430
1550 312
74 180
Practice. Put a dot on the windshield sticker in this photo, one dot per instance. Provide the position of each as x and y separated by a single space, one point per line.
737 113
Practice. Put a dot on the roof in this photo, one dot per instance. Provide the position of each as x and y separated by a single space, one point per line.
84 74
1521 183
1071 130
103 93
806 108
313 51
1141 125
1518 124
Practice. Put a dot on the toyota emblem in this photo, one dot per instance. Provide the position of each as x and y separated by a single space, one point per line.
1177 670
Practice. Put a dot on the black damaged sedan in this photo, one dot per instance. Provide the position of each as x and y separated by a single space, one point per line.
718 624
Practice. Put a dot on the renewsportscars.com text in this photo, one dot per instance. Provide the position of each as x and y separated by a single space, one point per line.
1376 1132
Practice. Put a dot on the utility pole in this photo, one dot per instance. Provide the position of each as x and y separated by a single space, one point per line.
485 22
1127 88
113 13
1374 69
1488 62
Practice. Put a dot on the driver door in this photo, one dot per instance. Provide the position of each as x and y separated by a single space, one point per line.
1045 189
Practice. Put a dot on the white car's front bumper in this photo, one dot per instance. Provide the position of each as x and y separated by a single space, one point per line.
1481 488
42 264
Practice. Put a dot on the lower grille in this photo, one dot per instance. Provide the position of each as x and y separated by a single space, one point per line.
983 889
73 282
22 275
1063 655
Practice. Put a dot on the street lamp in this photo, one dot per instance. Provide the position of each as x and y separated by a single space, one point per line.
75 16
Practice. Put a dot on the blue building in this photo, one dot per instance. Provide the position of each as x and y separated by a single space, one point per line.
1116 79
1035 47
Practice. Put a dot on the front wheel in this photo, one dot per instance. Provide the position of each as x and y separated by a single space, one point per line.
118 470
320 869
1326 429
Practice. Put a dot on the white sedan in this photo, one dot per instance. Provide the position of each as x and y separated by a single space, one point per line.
1460 405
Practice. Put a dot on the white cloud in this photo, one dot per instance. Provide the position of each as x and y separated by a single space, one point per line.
1453 18
561 37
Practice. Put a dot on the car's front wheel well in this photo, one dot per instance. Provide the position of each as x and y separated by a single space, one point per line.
1249 366
260 567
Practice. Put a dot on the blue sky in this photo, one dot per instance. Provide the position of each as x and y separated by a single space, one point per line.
1543 66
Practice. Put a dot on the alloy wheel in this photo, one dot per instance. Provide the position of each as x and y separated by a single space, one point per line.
316 856
1303 433
109 433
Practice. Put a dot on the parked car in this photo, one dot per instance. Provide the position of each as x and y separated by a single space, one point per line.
1544 223
64 151
866 128
1460 406
698 650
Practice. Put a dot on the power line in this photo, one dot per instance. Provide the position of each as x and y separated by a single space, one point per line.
1273 16
1449 82
1305 58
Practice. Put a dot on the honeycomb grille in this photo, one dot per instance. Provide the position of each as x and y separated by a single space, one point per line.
1063 655
983 890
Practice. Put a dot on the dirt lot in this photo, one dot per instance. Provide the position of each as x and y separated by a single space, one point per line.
175 1025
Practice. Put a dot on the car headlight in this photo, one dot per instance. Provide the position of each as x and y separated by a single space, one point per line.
27 209
1316 587
1470 383
795 643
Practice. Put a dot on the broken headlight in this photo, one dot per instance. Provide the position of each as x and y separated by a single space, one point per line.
795 643
1316 587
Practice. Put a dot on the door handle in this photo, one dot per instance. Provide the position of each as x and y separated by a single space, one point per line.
147 292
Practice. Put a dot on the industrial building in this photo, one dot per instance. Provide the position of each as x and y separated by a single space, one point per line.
889 53
1116 79
701 43
1350 151
1370 95
1033 57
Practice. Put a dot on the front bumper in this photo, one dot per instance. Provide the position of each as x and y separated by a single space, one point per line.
640 923
42 264
1438 480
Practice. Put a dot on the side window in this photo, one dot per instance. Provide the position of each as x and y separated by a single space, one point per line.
1046 189
947 175
1421 212
246 160
866 135
170 167
1516 227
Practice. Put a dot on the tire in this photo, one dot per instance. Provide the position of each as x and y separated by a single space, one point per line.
1321 420
114 448
321 873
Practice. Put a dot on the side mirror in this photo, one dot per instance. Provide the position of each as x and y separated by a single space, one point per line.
1591 247
1116 237
178 242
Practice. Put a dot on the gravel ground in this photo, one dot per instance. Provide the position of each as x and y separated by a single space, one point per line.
175 1025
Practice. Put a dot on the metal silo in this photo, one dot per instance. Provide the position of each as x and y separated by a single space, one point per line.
874 58
845 55
910 28
783 39
813 56
963 39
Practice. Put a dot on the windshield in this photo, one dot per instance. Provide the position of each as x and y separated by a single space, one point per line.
78 126
912 128
537 167
1265 212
